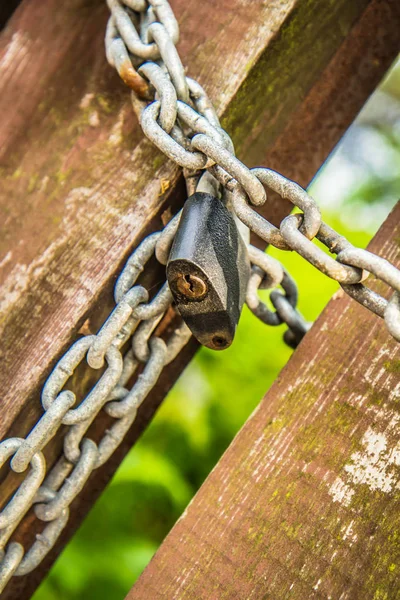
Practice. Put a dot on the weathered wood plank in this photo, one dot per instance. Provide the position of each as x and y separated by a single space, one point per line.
304 503
81 187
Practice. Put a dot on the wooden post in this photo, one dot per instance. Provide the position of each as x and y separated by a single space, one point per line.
81 187
305 502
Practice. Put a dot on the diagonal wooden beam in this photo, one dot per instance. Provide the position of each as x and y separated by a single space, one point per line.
81 187
304 503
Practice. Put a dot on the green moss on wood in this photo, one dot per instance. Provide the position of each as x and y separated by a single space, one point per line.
286 72
392 366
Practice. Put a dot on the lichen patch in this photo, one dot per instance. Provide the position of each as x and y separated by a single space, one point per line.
376 465
341 492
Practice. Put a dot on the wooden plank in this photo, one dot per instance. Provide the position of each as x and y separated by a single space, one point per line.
304 503
81 187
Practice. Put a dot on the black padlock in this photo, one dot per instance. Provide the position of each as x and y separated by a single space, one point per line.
208 270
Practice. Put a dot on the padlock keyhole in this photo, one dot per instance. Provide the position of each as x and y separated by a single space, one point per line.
191 286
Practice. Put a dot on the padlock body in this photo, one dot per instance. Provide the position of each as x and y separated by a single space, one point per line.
208 270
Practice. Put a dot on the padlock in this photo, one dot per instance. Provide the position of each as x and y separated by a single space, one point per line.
208 270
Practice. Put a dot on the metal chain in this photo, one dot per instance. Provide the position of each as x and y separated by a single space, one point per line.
181 120
134 318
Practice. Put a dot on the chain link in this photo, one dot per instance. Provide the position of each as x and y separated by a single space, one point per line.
181 120
51 497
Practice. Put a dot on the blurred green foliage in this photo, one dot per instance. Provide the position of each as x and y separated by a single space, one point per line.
202 414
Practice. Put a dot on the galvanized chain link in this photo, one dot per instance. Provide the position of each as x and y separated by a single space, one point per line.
184 125
181 120
51 495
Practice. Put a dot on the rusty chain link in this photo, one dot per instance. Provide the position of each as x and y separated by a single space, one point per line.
179 118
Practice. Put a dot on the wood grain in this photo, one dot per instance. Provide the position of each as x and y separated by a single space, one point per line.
304 503
81 187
